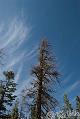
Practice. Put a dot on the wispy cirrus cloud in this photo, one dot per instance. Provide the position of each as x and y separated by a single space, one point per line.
72 87
24 56
13 37
15 34
32 53
17 76
15 60
67 78
25 84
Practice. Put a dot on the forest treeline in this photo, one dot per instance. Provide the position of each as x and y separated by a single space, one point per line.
34 102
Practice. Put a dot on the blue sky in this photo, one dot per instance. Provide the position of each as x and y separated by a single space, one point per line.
22 25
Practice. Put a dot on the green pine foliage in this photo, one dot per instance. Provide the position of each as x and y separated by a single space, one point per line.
2 95
67 104
10 87
7 89
78 104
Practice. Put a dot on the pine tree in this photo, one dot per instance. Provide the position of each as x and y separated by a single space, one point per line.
2 95
15 111
78 104
10 87
67 105
2 87
7 88
46 76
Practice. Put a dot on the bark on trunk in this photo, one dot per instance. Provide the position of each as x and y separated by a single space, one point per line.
39 101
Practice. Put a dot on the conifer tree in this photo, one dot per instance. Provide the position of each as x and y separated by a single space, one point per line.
7 88
46 76
78 104
67 106
15 111
10 87
67 103
2 95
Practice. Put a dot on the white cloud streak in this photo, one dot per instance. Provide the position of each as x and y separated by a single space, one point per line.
23 56
13 36
16 33
72 87
25 84
17 77
68 78
32 53
15 60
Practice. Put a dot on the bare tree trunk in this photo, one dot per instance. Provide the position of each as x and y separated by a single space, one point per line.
45 73
39 100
